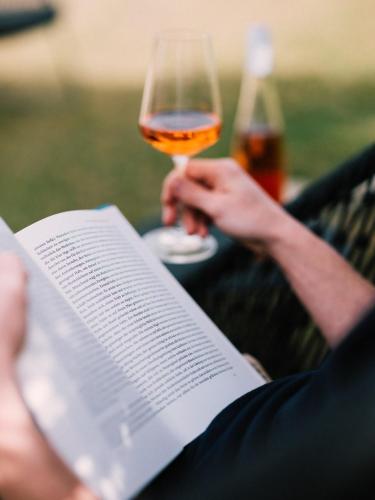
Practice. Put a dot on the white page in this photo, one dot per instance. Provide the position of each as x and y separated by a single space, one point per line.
78 395
183 369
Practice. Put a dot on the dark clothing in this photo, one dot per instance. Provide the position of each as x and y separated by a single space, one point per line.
307 436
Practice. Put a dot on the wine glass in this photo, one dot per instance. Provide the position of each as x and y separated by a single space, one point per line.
181 116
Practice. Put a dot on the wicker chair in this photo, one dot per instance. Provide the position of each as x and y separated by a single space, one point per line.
20 15
250 300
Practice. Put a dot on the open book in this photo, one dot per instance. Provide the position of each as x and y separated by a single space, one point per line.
121 368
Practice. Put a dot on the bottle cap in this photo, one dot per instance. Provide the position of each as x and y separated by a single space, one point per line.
259 57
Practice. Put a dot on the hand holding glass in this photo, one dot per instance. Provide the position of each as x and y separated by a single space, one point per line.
181 116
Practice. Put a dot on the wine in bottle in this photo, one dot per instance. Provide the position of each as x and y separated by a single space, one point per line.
258 139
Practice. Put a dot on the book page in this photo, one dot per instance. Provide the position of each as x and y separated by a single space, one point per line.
78 396
182 370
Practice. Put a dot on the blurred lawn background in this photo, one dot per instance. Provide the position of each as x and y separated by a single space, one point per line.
70 96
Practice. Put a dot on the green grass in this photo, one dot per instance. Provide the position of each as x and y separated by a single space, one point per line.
82 148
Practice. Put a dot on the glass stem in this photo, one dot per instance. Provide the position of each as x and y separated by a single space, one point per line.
179 163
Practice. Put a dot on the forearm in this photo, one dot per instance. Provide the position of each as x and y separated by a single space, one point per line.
334 294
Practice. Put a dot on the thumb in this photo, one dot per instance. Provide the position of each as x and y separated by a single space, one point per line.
12 304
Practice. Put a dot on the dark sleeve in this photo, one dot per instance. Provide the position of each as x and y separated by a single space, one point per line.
306 437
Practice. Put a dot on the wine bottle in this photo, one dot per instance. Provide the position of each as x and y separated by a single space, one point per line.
258 138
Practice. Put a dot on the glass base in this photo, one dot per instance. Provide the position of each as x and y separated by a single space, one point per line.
173 246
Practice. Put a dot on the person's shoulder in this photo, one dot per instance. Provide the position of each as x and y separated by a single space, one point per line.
365 324
359 344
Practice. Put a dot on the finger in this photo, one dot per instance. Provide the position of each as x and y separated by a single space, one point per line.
169 214
168 200
11 268
194 195
12 281
167 196
12 305
203 224
187 220
190 220
198 223
210 172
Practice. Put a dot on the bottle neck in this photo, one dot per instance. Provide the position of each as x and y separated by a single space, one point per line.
259 105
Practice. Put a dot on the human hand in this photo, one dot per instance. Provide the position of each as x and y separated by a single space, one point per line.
228 197
12 308
29 469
